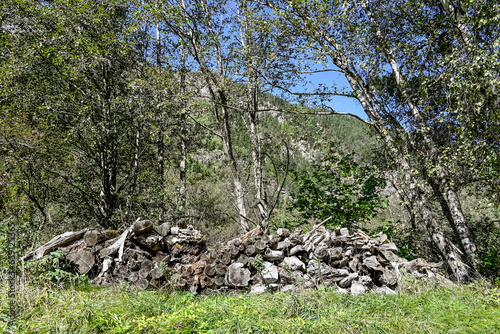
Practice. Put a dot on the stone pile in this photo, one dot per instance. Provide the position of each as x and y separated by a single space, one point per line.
155 256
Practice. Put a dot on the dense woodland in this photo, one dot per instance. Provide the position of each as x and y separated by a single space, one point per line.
200 111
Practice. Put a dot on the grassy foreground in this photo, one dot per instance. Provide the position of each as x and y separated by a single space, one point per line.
420 308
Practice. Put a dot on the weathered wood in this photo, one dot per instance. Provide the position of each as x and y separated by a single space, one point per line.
205 281
283 245
209 270
237 275
163 229
118 245
321 254
226 259
296 249
152 243
218 280
220 269
283 232
141 284
144 273
57 241
260 245
233 251
94 237
270 273
273 255
293 263
133 276
147 265
84 259
142 227
346 282
156 273
154 283
250 250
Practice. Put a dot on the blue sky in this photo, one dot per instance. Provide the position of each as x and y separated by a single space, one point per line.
338 103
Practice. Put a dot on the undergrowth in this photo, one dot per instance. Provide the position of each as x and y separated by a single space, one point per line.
417 308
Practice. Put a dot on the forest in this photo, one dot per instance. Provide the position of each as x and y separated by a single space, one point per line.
205 112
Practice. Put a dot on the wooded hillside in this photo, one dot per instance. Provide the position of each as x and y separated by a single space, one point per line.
199 112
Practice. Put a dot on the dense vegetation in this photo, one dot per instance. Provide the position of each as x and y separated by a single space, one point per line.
200 110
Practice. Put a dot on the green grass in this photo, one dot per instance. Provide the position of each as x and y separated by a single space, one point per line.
420 308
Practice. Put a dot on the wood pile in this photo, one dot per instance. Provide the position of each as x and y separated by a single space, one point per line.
155 256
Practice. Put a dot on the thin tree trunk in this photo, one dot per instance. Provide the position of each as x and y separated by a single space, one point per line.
453 203
445 246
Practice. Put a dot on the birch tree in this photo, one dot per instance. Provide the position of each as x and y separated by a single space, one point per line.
366 42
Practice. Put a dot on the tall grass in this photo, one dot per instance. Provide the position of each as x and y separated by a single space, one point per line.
418 308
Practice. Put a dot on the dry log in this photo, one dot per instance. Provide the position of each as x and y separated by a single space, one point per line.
94 237
163 229
260 245
209 270
155 283
161 257
273 241
133 276
335 253
75 246
144 273
220 269
54 243
273 255
205 281
142 284
156 273
147 265
293 263
321 254
296 249
283 232
118 245
346 282
270 273
283 245
106 265
142 227
218 280
244 259
226 259
255 232
233 251
372 263
389 247
152 243
84 259
250 250
237 275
